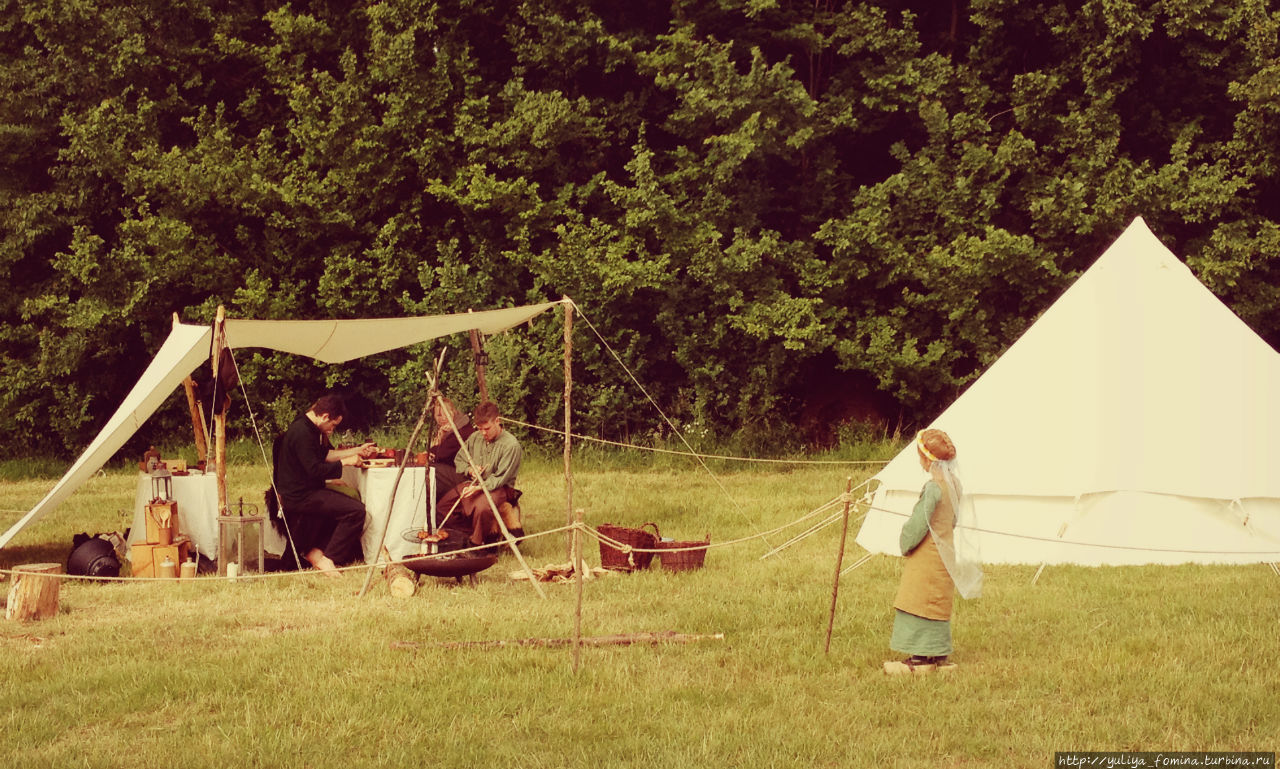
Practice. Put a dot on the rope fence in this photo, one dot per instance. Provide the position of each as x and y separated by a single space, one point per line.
698 455
595 534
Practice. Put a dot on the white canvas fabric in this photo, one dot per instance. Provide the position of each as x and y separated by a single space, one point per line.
338 341
188 347
1132 423
185 349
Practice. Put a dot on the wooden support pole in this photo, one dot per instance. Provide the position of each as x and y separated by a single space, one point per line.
433 395
568 411
835 587
220 414
197 418
34 592
577 578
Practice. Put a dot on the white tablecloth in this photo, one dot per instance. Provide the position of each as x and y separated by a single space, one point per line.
410 509
197 498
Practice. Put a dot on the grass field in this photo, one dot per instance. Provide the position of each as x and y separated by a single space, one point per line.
300 672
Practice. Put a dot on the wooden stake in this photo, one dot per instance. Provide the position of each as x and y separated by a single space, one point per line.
432 395
844 533
34 593
568 392
577 578
220 414
626 639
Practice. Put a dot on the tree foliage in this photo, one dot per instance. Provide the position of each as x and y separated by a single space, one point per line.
767 208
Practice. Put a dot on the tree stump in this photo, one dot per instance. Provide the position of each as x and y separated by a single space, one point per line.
401 581
33 594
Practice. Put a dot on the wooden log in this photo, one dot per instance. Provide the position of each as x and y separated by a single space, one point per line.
401 581
34 593
626 639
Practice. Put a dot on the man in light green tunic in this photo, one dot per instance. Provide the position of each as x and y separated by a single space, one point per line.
922 609
494 467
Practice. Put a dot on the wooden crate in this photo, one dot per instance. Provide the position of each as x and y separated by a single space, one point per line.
146 557
156 513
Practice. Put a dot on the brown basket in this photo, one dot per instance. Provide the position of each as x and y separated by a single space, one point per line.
619 560
674 557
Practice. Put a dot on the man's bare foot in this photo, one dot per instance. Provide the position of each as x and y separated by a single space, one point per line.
322 563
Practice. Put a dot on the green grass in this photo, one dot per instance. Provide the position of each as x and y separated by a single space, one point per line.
299 672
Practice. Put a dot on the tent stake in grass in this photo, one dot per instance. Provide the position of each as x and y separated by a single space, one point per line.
835 586
577 577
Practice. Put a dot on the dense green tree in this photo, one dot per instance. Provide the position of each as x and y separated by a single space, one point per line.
764 206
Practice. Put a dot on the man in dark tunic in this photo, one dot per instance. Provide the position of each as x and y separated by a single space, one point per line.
325 524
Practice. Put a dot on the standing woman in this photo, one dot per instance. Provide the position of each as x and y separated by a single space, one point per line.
939 562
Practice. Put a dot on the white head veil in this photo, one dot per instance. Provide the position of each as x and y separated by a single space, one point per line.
958 547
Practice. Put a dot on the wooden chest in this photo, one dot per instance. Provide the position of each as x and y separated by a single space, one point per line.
147 557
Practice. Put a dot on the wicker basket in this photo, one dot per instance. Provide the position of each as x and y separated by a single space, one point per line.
674 556
619 560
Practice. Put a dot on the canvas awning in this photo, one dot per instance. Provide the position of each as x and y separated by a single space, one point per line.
187 348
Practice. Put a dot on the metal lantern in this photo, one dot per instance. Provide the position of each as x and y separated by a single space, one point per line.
161 484
240 541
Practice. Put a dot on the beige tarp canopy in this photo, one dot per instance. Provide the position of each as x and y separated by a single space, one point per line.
329 341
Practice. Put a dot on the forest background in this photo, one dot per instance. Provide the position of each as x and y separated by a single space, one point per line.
779 214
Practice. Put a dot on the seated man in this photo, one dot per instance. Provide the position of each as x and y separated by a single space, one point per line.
496 454
325 524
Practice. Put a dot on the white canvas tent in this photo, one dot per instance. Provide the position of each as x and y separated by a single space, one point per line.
1135 422
188 346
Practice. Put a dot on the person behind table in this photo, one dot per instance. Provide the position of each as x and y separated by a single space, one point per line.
496 454
325 524
939 561
444 452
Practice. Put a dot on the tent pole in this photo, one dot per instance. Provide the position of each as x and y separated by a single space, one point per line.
197 422
568 393
835 585
220 414
432 395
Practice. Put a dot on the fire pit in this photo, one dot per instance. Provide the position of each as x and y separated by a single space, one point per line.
443 563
